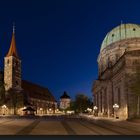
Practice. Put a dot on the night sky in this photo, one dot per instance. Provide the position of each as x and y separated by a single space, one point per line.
59 40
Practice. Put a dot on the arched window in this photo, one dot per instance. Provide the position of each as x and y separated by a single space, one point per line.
8 61
16 63
101 67
16 82
109 64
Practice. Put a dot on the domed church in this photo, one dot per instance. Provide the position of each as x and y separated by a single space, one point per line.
119 57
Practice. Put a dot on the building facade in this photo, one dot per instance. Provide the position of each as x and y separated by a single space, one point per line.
19 93
119 57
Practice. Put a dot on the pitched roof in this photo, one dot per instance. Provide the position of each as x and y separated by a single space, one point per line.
12 51
65 95
36 91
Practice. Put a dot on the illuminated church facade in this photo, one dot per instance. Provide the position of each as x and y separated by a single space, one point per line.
119 57
21 94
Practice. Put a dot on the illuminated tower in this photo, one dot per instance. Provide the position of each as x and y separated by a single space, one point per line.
12 67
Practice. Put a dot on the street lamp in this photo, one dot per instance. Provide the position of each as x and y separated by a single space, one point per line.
41 111
116 107
95 108
50 110
89 110
4 109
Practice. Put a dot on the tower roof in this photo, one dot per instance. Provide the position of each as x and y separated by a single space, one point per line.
13 51
65 96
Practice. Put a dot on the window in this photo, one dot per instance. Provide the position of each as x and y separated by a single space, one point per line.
16 63
135 62
101 68
134 29
16 82
117 57
8 61
109 64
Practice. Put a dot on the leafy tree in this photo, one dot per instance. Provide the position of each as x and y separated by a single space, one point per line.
2 90
82 102
72 105
16 99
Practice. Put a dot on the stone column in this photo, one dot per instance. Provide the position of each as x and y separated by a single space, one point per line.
99 103
103 101
109 99
95 103
94 100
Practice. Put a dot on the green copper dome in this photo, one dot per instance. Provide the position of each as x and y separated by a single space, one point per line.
124 31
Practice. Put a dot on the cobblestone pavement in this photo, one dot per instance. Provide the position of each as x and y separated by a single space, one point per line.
66 126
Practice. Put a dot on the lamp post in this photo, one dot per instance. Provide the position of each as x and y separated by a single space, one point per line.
89 110
95 108
116 108
50 110
41 111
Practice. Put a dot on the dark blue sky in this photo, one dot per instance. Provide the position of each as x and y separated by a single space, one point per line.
59 40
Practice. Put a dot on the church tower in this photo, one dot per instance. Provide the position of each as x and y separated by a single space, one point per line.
12 67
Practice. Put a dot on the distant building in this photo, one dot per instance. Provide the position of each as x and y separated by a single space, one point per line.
119 57
65 101
20 93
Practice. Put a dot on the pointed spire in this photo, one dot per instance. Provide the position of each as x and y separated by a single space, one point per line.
13 51
13 28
